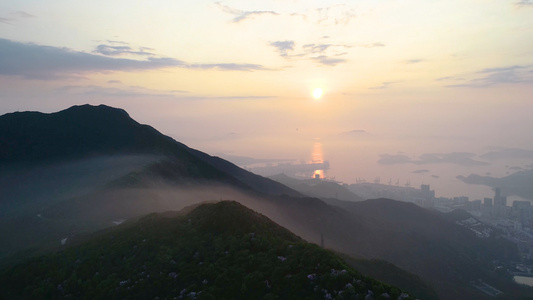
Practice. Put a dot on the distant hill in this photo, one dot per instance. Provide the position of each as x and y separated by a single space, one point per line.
216 251
422 241
388 273
319 188
518 183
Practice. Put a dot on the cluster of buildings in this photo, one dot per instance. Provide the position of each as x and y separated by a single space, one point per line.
496 211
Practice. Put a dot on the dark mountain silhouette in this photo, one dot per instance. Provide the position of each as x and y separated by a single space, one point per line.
216 251
88 131
82 168
77 132
65 174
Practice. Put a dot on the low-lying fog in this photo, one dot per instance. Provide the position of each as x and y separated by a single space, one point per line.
44 204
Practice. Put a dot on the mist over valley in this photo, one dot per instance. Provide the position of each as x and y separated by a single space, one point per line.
53 202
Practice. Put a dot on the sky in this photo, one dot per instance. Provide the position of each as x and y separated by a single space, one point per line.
413 90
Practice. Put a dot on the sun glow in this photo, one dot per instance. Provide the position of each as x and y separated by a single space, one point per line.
317 93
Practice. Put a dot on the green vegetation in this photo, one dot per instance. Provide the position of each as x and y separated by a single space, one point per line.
391 274
216 251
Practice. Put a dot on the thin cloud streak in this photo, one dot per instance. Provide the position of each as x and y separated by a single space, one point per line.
15 16
495 76
324 60
109 50
384 85
94 90
22 14
371 45
241 15
139 91
335 15
339 14
524 3
413 61
33 61
228 67
325 54
507 153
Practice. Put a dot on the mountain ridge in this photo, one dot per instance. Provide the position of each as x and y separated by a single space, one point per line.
239 254
86 130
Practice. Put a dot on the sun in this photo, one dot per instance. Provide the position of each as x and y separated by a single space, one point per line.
317 93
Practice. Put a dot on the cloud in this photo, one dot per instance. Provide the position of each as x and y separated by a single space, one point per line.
326 49
458 158
123 91
445 78
384 85
114 81
325 54
22 14
240 97
45 62
516 168
496 76
117 42
371 45
241 15
335 15
420 171
414 61
227 67
328 61
110 50
248 14
355 132
339 14
316 48
283 47
14 16
33 61
524 3
506 153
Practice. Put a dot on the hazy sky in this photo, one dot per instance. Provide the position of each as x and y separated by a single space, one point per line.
427 85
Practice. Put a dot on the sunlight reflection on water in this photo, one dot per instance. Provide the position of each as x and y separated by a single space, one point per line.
317 156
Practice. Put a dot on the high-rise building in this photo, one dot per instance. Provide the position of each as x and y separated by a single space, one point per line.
498 201
522 213
503 200
476 205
